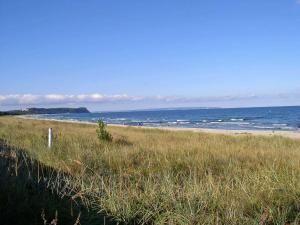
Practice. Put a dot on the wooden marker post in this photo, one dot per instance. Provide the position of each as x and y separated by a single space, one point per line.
50 138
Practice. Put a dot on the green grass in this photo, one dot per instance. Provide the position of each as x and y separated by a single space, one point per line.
166 177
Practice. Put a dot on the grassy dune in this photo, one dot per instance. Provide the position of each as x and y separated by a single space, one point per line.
164 177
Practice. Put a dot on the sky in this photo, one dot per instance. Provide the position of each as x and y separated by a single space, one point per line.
119 55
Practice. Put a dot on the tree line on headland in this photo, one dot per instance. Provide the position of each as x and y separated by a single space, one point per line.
31 111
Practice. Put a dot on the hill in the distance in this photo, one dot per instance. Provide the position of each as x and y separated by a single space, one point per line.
31 111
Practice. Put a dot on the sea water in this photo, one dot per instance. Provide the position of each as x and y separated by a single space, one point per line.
264 118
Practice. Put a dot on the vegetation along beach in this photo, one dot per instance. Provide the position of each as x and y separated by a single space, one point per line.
157 176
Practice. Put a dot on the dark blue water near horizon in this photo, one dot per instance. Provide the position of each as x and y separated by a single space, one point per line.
263 118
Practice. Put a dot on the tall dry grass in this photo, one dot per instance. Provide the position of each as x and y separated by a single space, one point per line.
153 176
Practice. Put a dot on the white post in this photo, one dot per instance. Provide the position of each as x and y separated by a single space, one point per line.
50 138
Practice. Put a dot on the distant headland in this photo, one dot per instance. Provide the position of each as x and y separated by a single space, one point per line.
31 111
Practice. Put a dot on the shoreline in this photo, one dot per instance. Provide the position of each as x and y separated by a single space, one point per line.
288 134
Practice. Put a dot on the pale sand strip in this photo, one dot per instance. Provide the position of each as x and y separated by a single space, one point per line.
289 134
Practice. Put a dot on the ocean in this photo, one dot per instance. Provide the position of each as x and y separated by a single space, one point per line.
264 118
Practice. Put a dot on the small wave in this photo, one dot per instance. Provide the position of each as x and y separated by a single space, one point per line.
235 119
264 127
218 121
182 120
231 123
215 122
279 124
237 123
119 119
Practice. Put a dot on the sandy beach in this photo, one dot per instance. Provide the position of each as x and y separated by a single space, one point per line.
288 134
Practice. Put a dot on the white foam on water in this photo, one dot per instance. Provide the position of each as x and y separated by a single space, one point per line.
119 119
234 119
184 122
279 124
263 127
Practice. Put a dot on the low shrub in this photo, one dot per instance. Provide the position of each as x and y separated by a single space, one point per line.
102 133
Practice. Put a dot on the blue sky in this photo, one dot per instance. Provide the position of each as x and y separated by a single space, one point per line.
145 54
